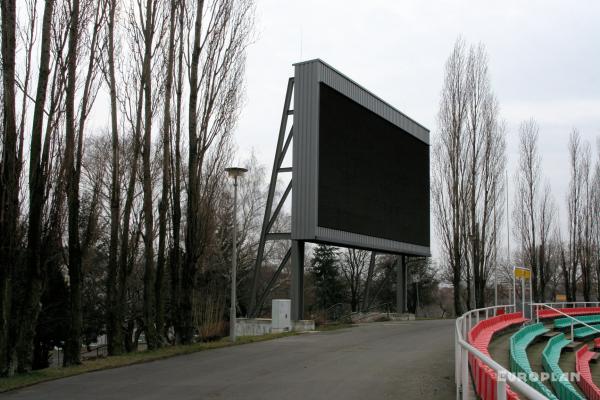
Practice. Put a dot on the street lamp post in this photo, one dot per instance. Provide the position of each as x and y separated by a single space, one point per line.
234 172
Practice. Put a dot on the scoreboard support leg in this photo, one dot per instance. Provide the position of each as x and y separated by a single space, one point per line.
257 297
401 285
297 281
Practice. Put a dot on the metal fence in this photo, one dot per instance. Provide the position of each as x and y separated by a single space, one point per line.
462 351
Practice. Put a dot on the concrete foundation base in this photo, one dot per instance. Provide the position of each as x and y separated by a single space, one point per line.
304 325
252 326
263 326
402 317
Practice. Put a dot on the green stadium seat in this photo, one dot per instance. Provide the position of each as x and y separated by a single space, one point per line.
586 332
550 356
562 323
519 363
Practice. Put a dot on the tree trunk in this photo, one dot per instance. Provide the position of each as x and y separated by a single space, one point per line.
542 271
566 276
113 309
175 259
149 267
193 236
34 280
73 345
9 190
125 264
166 164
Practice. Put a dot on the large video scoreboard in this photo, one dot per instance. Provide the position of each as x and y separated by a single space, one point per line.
360 167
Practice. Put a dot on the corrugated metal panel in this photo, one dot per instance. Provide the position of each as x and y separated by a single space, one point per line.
368 100
306 155
356 92
350 239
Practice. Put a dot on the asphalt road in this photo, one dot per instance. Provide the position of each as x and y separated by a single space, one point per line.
386 360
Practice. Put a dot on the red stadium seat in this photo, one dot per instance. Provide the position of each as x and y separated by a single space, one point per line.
587 385
547 313
480 336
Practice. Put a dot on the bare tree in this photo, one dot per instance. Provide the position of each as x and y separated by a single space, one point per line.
571 259
91 233
27 33
534 211
113 310
525 210
469 159
149 270
176 180
588 219
485 160
193 215
132 104
73 346
354 265
221 44
29 309
595 211
449 166
79 32
166 166
547 265
9 190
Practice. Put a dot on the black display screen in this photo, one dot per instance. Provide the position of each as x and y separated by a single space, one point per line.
373 175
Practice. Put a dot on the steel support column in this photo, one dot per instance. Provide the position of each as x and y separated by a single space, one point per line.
297 281
401 285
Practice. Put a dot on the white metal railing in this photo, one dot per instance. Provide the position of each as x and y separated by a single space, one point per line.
569 304
462 350
573 319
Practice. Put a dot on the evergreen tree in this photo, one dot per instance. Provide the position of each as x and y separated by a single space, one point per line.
329 288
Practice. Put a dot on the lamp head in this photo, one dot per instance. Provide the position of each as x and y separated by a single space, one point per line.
234 172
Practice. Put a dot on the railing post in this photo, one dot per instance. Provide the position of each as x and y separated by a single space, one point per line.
456 361
501 387
572 333
465 374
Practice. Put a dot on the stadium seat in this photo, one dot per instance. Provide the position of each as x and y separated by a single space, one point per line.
480 336
582 363
586 332
562 323
547 313
550 356
519 363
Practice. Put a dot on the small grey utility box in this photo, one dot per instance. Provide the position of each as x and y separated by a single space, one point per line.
280 310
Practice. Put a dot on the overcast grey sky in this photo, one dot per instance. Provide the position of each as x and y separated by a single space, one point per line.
544 59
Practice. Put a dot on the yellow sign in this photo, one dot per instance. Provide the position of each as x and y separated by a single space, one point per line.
522 273
561 297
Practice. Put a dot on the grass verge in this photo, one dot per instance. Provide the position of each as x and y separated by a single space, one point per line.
48 374
334 326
